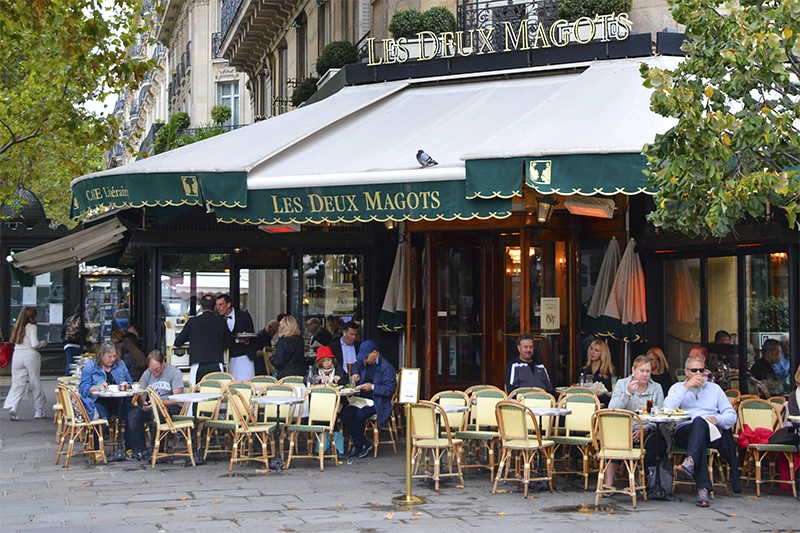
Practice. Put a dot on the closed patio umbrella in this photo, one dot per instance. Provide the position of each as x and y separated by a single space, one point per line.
625 315
395 305
602 287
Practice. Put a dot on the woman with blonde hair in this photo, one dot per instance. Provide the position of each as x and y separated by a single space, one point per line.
289 358
599 368
660 367
26 365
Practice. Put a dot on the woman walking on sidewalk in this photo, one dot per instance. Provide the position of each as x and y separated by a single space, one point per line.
26 364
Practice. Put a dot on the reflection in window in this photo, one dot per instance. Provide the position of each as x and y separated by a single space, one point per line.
47 296
682 285
334 287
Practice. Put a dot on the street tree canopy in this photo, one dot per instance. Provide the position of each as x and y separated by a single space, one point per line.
55 56
735 151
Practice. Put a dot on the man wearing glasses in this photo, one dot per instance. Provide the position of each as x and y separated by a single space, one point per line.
708 406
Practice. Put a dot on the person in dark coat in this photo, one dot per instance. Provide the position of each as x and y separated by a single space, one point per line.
377 381
132 356
345 347
289 358
762 369
527 370
242 352
207 336
319 335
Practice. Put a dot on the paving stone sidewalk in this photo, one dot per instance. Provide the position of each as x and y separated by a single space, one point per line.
36 495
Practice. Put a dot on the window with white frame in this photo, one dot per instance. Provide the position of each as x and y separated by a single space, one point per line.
228 95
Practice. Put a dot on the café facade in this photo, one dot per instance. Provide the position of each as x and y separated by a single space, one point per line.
537 139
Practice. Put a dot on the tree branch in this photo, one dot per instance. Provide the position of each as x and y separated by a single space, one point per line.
14 140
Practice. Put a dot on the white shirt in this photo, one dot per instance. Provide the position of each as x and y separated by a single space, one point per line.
231 320
348 353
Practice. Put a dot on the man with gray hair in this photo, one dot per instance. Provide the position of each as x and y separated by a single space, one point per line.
712 418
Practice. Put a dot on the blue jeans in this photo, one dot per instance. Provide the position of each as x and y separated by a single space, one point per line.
72 352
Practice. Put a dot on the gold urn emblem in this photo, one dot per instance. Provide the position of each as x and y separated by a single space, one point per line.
539 173
190 185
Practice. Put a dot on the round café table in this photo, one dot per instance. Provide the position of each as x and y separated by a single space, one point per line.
195 397
278 401
119 454
658 492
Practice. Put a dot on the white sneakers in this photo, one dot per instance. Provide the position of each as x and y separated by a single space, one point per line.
12 414
39 413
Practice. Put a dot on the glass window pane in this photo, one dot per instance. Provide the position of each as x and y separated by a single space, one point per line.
334 287
723 317
47 296
682 308
106 303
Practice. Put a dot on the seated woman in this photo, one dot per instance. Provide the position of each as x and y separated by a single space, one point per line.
104 370
632 394
660 374
325 370
599 368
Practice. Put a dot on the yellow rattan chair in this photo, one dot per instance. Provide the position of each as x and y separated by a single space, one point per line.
430 440
323 406
475 388
166 427
259 382
481 431
535 399
455 421
293 380
577 432
78 427
613 433
758 413
269 413
522 390
247 429
521 439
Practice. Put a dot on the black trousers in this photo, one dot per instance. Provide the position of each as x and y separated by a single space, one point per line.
695 438
355 420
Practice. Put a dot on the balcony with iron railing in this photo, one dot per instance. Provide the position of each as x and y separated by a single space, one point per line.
478 14
134 112
227 14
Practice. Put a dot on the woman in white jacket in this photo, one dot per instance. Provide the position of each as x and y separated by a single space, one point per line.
26 364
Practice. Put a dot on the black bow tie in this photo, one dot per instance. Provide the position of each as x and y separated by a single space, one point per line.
228 317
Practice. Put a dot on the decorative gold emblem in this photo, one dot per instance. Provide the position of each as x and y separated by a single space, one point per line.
75 203
190 185
539 173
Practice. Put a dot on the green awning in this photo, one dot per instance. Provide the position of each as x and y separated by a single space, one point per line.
120 190
433 200
584 174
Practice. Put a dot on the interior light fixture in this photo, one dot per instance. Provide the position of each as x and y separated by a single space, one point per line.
390 224
590 207
544 209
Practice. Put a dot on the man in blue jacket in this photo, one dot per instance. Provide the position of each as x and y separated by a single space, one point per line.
377 381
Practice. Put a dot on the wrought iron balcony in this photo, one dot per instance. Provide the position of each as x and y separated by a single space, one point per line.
228 13
134 110
361 46
476 14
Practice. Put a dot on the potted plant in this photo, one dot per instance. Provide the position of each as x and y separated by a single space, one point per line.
575 9
304 90
408 23
334 56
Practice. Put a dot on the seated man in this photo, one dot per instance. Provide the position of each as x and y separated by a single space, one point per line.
763 369
707 404
377 381
525 371
164 379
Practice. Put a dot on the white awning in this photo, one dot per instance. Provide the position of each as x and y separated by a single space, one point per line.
71 250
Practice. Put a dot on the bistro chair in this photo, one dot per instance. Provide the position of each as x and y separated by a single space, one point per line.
780 403
758 413
222 377
77 426
714 461
521 439
165 427
534 399
222 425
269 413
680 374
430 441
613 434
260 381
323 406
522 390
293 380
246 429
577 389
481 431
577 432
733 395
390 427
475 388
455 421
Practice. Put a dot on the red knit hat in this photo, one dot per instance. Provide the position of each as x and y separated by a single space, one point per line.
323 352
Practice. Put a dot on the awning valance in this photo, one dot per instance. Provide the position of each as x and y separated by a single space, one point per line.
585 138
84 245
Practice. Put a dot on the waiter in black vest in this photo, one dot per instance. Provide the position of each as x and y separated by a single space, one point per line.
242 351
207 337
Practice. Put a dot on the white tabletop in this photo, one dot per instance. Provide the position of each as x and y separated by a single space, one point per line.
550 411
453 408
105 393
276 400
348 392
660 418
794 419
194 397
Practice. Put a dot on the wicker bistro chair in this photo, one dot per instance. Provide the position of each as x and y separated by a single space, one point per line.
222 377
780 403
475 388
259 382
165 427
521 438
293 380
481 430
539 399
613 433
577 432
390 427
431 439
323 406
455 421
523 390
77 426
714 461
269 413
247 429
222 426
576 390
758 413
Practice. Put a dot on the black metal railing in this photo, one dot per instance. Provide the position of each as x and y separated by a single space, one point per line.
361 46
216 43
182 67
134 110
476 14
146 146
189 54
228 13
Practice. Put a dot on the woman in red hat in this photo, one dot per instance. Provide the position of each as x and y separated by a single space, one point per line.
325 370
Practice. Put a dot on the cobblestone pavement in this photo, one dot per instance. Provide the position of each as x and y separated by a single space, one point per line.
126 497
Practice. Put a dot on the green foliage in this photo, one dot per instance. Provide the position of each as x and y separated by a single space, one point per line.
438 19
168 137
55 56
736 146
772 313
406 23
204 131
304 90
336 55
573 9
220 114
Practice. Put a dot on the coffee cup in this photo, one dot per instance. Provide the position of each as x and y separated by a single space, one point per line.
136 386
113 388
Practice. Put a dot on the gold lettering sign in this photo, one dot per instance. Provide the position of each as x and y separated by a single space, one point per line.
367 202
613 27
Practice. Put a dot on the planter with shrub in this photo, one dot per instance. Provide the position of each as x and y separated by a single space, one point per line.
304 90
336 55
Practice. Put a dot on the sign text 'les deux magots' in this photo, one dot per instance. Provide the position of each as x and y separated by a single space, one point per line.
479 41
356 203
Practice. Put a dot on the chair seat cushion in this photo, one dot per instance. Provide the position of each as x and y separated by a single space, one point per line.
435 443
577 441
682 451
220 424
773 447
522 444
307 428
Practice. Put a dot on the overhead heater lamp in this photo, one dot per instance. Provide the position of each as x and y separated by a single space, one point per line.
590 207
280 228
